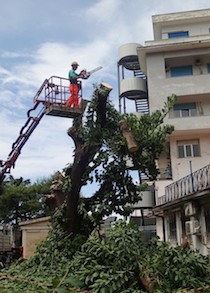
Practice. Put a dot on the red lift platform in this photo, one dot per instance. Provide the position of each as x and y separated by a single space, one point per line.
51 99
54 93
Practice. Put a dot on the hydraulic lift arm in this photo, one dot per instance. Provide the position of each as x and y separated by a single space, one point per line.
24 135
52 97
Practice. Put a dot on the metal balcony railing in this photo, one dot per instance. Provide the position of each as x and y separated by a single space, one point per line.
191 184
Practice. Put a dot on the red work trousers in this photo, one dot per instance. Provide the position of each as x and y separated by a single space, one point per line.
74 96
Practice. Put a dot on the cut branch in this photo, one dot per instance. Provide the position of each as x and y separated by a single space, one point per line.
128 135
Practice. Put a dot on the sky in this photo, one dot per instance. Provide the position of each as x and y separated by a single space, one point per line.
40 39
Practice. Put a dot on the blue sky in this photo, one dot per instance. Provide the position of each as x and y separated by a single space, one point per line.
40 39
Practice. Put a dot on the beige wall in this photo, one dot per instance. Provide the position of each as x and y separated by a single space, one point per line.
193 29
33 232
160 55
187 20
181 166
181 86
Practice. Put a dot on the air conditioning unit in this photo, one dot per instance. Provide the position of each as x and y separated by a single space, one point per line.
189 209
192 227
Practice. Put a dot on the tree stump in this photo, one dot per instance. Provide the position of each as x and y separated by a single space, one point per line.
130 139
105 87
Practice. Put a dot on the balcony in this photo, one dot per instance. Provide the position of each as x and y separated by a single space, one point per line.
147 201
195 124
191 85
194 183
128 56
133 88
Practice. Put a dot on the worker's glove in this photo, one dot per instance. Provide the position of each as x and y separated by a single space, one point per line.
84 74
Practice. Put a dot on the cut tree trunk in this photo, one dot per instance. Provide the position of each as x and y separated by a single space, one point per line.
83 156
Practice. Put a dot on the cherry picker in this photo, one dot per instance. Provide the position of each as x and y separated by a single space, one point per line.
50 99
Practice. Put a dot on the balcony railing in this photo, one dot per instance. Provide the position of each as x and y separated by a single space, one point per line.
195 182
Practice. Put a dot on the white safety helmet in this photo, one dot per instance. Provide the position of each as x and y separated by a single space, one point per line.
74 63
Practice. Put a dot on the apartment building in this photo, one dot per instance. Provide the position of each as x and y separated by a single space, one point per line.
176 62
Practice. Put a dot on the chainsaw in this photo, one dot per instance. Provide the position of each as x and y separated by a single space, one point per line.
86 74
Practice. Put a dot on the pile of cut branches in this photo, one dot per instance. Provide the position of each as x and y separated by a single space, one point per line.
119 262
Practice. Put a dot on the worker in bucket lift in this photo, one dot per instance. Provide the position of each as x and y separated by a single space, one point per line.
74 86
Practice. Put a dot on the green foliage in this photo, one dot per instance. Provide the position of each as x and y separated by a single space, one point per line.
108 155
109 265
101 156
50 264
150 134
94 133
115 263
22 200
175 267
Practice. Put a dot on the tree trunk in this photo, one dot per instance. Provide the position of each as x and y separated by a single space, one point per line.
83 156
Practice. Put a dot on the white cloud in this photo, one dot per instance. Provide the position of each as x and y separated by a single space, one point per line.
103 11
41 39
3 72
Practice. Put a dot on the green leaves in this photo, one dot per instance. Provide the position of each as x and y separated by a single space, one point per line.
108 166
150 134
109 265
116 263
175 267
22 200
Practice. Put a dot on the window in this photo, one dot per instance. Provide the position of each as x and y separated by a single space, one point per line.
146 225
188 148
184 110
178 34
172 227
167 173
181 70
208 68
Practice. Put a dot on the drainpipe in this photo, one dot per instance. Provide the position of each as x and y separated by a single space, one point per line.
164 229
191 174
163 222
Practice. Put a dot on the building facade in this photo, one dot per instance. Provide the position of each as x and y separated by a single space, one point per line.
176 62
33 233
